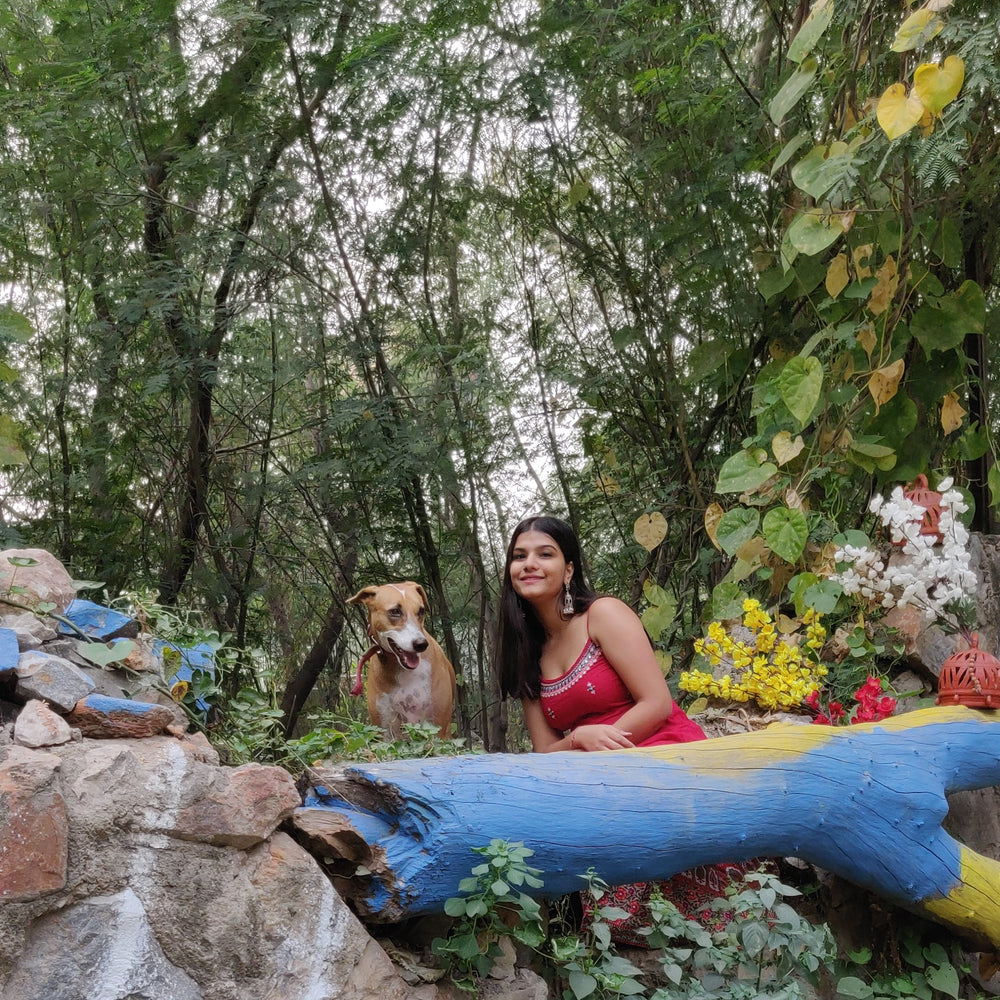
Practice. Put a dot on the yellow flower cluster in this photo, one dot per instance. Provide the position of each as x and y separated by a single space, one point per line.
761 667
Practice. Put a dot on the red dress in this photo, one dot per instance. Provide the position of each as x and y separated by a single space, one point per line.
591 692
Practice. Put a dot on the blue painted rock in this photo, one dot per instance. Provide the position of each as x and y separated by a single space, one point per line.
101 717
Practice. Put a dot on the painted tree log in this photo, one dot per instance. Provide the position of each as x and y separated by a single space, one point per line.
865 802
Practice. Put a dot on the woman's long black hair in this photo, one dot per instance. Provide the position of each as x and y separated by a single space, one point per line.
521 636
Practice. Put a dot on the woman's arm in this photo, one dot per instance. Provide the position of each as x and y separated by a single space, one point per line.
616 628
545 739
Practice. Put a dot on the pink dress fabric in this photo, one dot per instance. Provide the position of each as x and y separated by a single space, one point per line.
592 692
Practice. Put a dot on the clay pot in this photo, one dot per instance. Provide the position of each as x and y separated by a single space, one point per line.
970 677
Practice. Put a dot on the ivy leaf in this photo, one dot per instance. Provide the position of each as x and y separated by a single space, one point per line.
856 989
943 978
102 654
582 984
14 325
736 528
792 90
786 532
887 281
811 31
821 168
937 86
897 111
650 529
921 26
813 230
801 384
745 471
884 383
837 277
951 413
941 324
784 448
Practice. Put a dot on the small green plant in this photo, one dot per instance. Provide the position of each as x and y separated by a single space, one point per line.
924 970
591 966
493 906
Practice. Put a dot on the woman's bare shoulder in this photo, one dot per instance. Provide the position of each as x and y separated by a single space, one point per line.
610 612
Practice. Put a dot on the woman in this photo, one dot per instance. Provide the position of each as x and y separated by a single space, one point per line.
584 669
581 664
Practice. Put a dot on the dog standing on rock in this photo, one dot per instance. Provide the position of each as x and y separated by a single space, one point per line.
409 677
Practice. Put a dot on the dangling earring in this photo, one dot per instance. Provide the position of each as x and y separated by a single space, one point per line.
568 608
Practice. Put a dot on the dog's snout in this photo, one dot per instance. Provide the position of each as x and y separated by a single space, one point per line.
419 645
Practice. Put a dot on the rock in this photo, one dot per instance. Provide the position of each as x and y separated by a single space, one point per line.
43 580
100 949
925 646
100 717
98 621
33 827
51 679
38 726
32 630
9 650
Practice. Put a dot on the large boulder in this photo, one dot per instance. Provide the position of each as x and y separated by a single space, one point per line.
33 577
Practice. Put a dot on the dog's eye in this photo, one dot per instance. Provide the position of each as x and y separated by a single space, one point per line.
421 613
395 612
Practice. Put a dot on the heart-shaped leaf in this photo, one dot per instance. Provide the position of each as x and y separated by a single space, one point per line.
745 471
102 654
784 448
937 86
898 111
713 514
884 383
650 529
822 167
786 532
837 276
921 26
800 384
736 528
941 324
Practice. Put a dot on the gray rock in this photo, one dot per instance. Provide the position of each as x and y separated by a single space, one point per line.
51 679
38 579
38 726
100 949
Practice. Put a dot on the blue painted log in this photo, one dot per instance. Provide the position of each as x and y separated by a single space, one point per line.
865 802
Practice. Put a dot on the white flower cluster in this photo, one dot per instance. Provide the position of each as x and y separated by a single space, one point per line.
933 578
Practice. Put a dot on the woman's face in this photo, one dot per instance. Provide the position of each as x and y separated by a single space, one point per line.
538 568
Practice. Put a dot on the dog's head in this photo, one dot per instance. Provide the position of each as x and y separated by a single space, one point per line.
396 613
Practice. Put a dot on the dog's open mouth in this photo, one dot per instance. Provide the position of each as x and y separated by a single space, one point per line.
406 657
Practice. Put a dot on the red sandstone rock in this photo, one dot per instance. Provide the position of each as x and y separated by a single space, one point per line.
33 826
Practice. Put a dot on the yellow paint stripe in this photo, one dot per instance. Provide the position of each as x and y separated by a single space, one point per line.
973 905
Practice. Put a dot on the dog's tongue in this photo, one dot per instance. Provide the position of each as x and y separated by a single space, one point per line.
410 658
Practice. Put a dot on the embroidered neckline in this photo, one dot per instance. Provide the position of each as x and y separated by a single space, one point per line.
590 654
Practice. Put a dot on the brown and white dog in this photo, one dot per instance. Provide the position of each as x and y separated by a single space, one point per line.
409 677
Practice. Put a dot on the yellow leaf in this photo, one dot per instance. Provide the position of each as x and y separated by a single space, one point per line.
786 625
836 275
884 382
859 254
608 485
885 287
938 5
921 26
897 111
866 338
650 530
951 413
713 514
937 86
696 707
750 551
784 448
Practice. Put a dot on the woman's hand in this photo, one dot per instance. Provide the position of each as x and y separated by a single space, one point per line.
600 737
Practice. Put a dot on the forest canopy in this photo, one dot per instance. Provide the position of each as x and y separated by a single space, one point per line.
300 297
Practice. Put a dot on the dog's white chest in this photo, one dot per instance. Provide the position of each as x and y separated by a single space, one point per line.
410 700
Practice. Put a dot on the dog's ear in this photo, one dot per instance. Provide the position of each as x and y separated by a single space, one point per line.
364 596
423 598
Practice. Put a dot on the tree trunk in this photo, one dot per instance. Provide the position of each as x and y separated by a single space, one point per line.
865 802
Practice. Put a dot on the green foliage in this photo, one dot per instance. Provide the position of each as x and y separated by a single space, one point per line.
331 738
492 906
926 970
